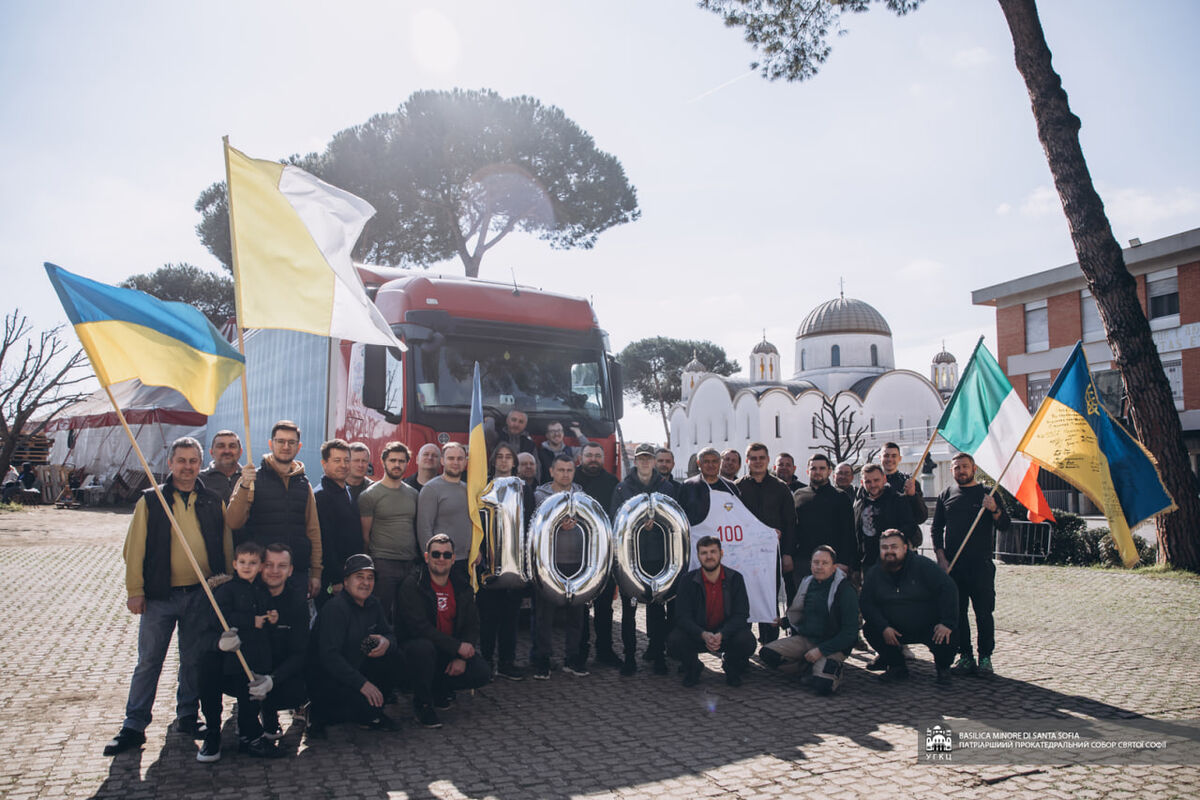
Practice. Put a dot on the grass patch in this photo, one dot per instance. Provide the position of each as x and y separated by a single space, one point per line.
1153 570
11 507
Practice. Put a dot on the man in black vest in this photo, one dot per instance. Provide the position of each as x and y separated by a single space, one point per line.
164 590
337 514
277 505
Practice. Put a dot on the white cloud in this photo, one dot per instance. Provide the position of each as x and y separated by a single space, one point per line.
1132 209
1041 202
1003 210
970 57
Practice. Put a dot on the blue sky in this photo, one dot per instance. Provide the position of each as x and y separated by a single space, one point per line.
909 166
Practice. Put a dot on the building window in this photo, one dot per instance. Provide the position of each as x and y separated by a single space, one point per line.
835 356
1163 294
803 358
872 425
1035 392
1111 391
695 434
778 435
900 428
928 427
1089 315
814 426
726 421
874 356
747 426
1037 327
1174 370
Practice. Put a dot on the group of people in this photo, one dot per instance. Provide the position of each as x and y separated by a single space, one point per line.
343 592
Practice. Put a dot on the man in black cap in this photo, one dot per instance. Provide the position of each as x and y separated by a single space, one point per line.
355 661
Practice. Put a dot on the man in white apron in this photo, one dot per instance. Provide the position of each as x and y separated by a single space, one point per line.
750 547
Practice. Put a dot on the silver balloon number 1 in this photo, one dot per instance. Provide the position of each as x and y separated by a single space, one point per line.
505 550
634 519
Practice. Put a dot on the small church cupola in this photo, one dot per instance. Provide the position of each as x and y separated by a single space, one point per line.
692 373
764 362
943 372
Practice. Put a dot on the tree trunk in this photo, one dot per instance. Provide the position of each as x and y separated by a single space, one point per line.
1152 408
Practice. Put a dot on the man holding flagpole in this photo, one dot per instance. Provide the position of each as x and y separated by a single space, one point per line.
165 593
276 504
974 573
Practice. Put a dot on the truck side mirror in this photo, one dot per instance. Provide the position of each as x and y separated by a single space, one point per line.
617 385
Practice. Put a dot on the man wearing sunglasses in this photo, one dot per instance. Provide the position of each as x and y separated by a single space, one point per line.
438 615
276 504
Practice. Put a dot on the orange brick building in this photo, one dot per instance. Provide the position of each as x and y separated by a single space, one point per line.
1039 318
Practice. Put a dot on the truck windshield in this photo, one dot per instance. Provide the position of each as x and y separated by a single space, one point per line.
530 377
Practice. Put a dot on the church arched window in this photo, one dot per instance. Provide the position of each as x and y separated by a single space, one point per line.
814 426
803 354
835 356
874 356
778 435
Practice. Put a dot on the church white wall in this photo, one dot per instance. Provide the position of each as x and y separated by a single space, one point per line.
855 350
905 408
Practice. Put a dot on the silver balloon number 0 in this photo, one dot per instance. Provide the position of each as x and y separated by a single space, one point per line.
633 519
504 547
592 574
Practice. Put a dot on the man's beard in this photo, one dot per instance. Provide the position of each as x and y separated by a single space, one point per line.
591 469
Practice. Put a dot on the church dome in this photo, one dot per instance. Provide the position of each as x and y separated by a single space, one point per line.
843 315
944 357
765 347
694 365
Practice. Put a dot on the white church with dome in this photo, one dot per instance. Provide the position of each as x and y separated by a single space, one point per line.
843 345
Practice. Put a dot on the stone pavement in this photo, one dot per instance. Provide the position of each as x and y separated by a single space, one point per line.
1071 642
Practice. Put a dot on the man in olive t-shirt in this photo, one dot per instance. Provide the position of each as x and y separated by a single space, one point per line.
388 509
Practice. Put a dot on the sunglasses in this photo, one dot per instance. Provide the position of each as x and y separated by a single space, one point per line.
445 554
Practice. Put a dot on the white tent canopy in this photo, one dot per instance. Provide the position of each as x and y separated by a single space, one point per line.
88 435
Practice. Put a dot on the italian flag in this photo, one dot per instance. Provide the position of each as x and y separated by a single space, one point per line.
986 420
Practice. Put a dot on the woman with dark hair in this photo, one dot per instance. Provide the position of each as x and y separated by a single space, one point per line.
499 609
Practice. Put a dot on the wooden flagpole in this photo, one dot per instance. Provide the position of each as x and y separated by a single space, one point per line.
982 508
175 527
237 305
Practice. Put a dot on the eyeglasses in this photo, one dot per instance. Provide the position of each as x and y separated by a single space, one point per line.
286 442
445 554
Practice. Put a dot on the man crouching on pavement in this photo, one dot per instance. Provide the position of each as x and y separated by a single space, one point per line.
354 661
824 621
712 613
438 613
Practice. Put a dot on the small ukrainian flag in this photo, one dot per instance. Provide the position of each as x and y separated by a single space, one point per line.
129 334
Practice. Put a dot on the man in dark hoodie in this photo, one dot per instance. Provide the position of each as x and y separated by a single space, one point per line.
164 591
337 513
354 660
824 516
287 633
908 599
824 621
243 604
877 509
645 479
439 617
599 484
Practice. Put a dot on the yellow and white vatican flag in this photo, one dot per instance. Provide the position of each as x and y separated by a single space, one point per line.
292 237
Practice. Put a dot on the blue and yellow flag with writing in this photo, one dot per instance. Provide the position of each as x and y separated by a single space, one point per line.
477 469
1073 436
129 334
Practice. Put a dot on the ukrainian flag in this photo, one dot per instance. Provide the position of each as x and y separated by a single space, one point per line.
1073 436
476 474
129 334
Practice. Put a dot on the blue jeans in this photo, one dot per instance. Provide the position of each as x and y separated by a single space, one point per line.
185 608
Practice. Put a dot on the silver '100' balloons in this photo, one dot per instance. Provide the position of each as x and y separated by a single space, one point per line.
505 550
630 526
592 521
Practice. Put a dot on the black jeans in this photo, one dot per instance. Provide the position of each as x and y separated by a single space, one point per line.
891 656
976 583
339 702
213 683
499 612
737 649
427 669
602 609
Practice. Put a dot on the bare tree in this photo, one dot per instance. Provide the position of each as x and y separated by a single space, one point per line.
844 441
36 378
